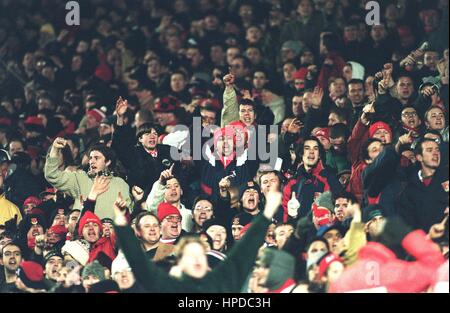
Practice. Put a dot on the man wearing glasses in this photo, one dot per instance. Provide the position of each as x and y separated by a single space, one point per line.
170 219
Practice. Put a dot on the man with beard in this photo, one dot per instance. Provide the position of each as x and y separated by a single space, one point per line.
102 162
148 230
11 259
425 198
311 179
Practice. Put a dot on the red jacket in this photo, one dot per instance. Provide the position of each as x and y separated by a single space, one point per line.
359 136
355 185
335 70
379 270
105 245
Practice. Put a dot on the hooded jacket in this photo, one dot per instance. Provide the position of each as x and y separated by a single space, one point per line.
390 274
357 70
105 245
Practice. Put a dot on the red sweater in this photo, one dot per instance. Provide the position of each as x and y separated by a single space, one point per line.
379 270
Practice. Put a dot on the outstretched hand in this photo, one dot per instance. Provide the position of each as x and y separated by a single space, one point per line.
121 107
101 185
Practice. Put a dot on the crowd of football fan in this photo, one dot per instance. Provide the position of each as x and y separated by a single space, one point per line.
101 190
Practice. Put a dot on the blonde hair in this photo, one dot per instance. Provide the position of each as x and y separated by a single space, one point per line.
184 241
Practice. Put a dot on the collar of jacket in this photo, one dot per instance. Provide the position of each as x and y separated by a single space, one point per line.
377 252
240 160
315 171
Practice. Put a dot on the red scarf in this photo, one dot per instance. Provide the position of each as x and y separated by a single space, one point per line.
227 160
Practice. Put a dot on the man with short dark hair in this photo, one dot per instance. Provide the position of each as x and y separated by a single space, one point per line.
148 230
311 179
78 184
424 200
144 161
355 93
11 258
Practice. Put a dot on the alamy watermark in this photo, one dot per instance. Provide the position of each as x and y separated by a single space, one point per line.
373 17
73 16
250 142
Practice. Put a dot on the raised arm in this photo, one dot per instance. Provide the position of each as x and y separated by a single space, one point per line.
243 255
147 274
62 180
230 110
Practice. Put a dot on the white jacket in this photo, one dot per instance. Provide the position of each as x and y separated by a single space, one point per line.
156 196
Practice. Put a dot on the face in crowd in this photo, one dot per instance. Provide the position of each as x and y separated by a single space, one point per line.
171 226
250 200
203 211
193 261
282 234
149 229
435 119
97 162
173 191
218 234
149 140
225 146
410 118
269 181
52 267
311 154
247 114
91 232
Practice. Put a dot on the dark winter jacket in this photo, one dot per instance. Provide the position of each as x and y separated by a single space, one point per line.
307 185
423 206
143 168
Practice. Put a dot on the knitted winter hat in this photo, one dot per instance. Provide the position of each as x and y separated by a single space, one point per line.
58 229
326 261
119 264
325 200
97 114
165 209
379 125
78 250
322 132
31 274
52 254
247 186
281 264
87 218
32 200
94 269
372 211
242 218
